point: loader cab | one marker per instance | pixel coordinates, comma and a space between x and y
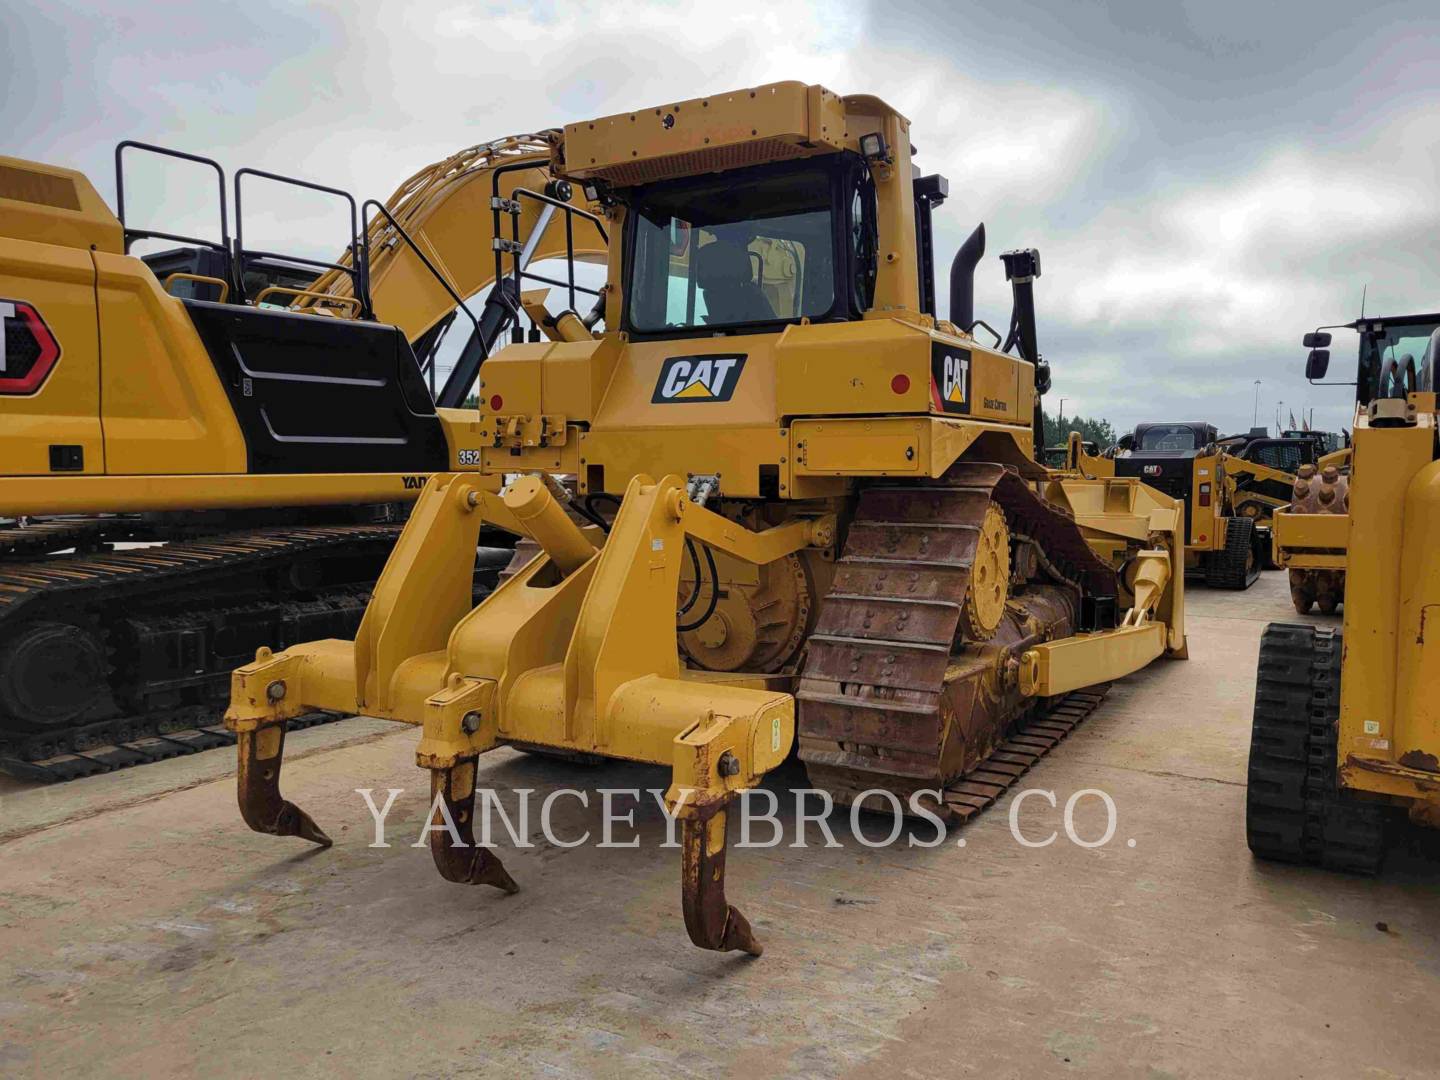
1398, 355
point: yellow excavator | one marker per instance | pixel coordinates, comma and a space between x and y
777, 506
1346, 722
261, 417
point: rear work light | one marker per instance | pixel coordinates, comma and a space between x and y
1204, 494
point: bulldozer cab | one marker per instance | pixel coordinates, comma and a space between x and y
771, 292
754, 250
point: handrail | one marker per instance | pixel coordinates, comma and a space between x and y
203, 279
309, 294
272, 258
569, 211
129, 235
424, 259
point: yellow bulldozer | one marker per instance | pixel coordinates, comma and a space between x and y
778, 505
211, 447
1346, 722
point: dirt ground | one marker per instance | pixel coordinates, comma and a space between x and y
145, 932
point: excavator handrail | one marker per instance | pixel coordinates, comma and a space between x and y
279, 259
435, 207
130, 235
400, 231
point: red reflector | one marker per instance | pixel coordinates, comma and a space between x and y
495, 402
900, 383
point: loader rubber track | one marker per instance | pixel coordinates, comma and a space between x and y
145, 609
1237, 566
889, 696
1295, 810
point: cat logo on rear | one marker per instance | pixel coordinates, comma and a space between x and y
950, 378
698, 379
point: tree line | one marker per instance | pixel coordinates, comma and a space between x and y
1057, 431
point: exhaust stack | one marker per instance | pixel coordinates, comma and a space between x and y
962, 278
1021, 269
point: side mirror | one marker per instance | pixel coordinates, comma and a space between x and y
1318, 340
1318, 362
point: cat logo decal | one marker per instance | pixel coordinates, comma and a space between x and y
698, 379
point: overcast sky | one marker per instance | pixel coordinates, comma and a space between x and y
1205, 180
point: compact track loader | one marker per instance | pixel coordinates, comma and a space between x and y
778, 506
268, 427
1347, 723
1227, 537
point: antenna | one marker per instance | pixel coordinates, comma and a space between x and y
1363, 290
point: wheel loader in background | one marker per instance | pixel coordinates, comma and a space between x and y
807, 512
1347, 722
268, 428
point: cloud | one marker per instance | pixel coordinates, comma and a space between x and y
1205, 180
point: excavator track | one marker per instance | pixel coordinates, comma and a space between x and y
43, 537
154, 633
123, 742
900, 689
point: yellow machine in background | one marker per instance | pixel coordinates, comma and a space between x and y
1225, 545
1311, 534
1347, 722
263, 423
806, 511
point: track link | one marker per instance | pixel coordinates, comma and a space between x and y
891, 695
169, 623
51, 534
1295, 810
116, 744
1012, 759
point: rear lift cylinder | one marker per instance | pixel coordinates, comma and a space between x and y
545, 519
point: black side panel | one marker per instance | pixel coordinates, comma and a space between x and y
315, 394
1174, 474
